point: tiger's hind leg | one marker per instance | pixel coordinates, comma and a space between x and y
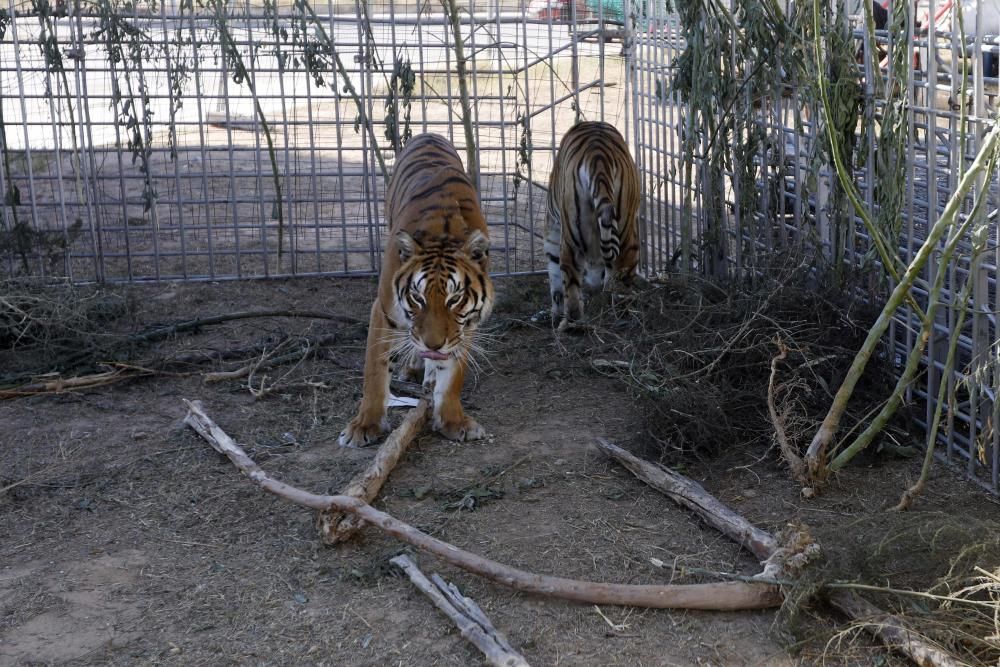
556, 290
371, 420
450, 419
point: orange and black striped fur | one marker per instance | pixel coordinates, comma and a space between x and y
434, 289
593, 209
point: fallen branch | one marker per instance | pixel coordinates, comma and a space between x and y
692, 495
718, 596
335, 526
465, 614
782, 558
58, 385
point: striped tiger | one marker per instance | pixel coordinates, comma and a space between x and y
593, 209
434, 289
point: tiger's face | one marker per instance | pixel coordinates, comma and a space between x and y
443, 293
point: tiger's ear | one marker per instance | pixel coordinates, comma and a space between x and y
408, 246
477, 246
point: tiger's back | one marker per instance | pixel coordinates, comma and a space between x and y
593, 208
434, 289
430, 192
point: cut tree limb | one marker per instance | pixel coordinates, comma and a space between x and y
335, 526
692, 495
718, 596
465, 614
781, 557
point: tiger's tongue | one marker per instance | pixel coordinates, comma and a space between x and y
436, 356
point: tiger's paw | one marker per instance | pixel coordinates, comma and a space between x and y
463, 430
360, 434
574, 305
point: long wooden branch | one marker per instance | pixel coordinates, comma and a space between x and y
781, 559
336, 526
465, 614
718, 596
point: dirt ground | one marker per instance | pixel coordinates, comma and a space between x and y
128, 541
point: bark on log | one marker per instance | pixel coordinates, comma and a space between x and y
465, 614
781, 559
336, 526
719, 596
692, 495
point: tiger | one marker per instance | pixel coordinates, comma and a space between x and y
593, 207
434, 290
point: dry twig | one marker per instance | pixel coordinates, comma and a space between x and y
794, 461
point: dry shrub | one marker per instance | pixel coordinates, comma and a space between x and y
697, 357
944, 581
44, 329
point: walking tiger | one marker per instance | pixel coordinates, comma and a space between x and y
434, 289
593, 208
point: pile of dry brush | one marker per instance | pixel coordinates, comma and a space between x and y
698, 357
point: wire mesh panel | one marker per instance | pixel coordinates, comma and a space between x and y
923, 95
954, 93
210, 139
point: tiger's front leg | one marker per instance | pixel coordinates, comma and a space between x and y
569, 266
371, 420
450, 419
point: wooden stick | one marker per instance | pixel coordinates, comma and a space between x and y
336, 526
718, 596
465, 614
780, 560
692, 495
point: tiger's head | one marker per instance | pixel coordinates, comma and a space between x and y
442, 291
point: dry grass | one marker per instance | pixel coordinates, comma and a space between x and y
697, 355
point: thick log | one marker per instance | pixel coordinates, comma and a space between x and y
465, 614
692, 495
782, 559
720, 596
335, 526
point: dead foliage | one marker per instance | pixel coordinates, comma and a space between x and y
697, 356
940, 576
64, 338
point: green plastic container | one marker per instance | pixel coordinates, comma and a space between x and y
614, 10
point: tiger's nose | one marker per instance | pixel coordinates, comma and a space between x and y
434, 344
